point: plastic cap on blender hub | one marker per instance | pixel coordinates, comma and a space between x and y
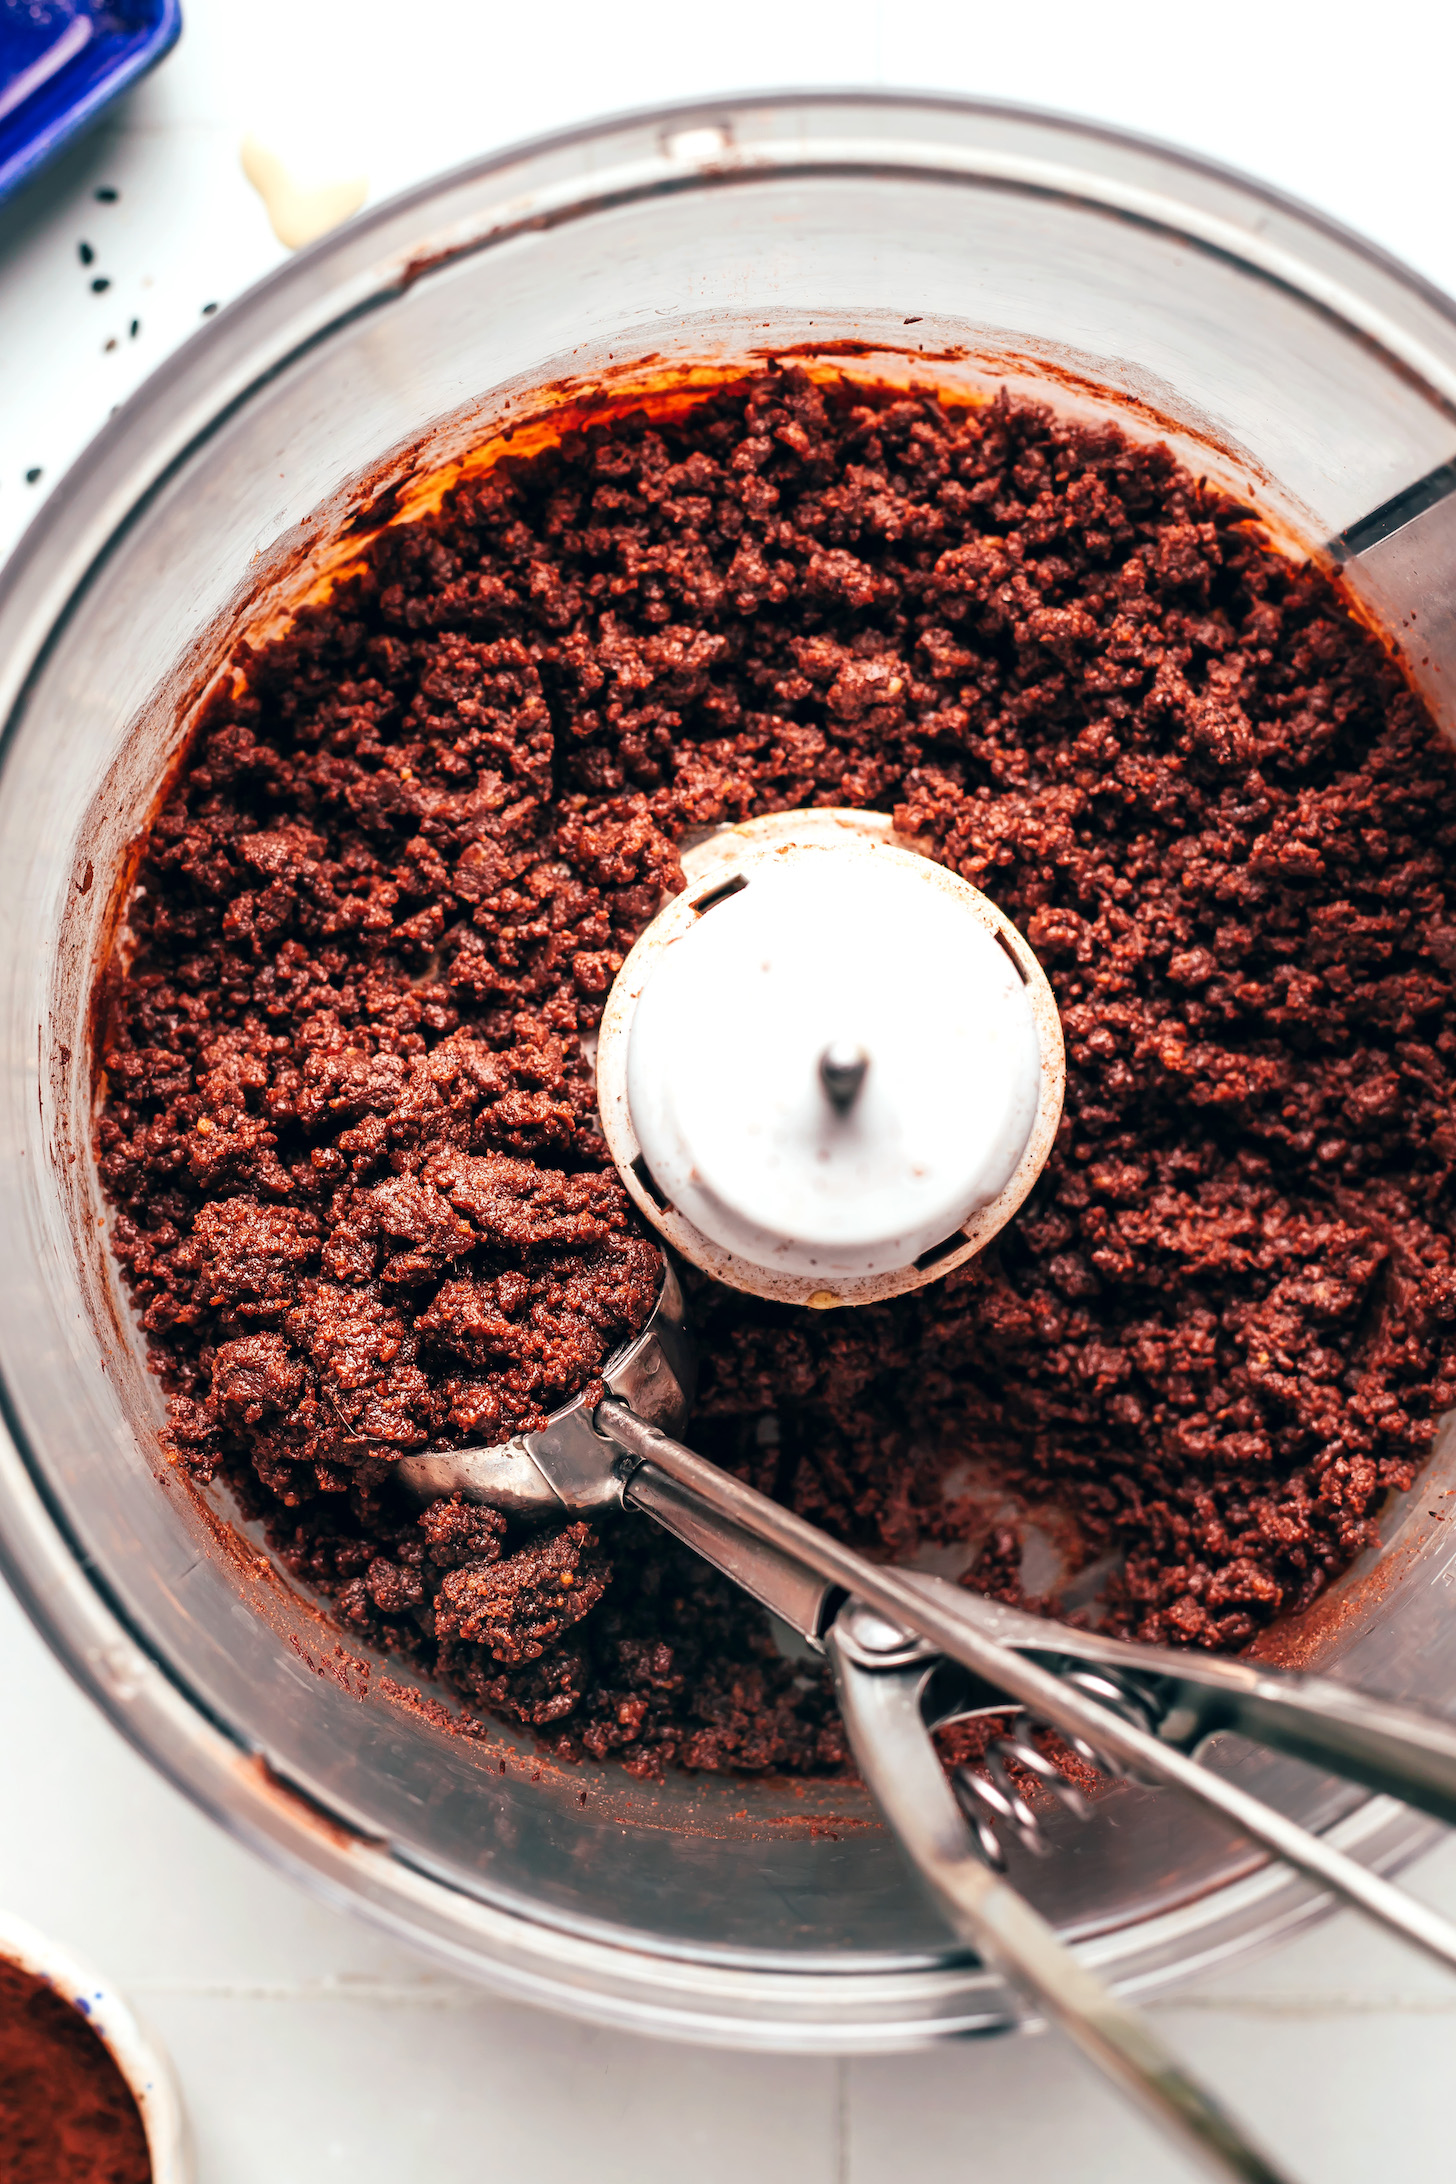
836, 1066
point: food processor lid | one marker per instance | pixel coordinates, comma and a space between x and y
836, 1064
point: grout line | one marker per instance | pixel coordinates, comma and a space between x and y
429, 1994
445, 1994
1321, 2003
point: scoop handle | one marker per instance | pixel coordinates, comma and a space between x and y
779, 1582
941, 1615
1400, 1751
883, 1714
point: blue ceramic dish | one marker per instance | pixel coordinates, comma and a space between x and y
62, 62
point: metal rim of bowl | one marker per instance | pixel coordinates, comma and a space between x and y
358, 268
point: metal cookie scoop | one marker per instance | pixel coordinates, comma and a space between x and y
567, 1465
1142, 1711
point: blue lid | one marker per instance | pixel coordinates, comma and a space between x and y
62, 61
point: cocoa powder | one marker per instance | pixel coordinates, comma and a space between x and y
67, 2115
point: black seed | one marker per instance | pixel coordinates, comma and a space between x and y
100, 285
32, 477
106, 195
136, 327
208, 309
85, 253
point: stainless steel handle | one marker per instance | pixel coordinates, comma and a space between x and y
881, 1709
941, 1614
1390, 1748
882, 1714
778, 1581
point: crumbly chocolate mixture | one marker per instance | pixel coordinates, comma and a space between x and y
349, 1131
67, 2115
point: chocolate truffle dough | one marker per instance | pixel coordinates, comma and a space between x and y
349, 1132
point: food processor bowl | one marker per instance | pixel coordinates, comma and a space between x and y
911, 239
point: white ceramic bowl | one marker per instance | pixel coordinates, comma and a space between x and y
138, 2058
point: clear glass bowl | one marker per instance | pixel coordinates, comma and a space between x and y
913, 238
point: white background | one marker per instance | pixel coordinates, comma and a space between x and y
308, 2049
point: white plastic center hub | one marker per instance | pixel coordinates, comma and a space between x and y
834, 1067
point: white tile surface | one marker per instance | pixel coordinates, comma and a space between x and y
1310, 98
308, 2047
